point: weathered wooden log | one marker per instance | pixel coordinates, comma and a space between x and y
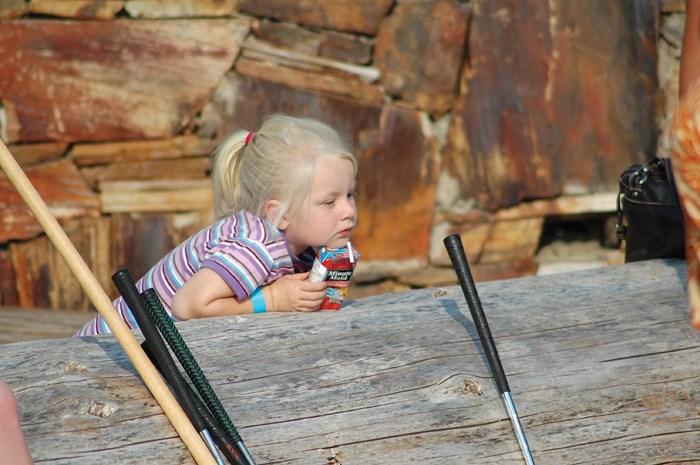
602, 365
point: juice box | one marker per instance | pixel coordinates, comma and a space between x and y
334, 266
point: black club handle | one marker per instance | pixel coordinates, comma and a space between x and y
158, 350
458, 257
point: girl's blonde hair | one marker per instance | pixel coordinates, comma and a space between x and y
276, 163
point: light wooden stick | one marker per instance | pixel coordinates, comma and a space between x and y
101, 301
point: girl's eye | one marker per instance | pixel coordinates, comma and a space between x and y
351, 195
329, 202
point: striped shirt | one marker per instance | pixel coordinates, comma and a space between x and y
245, 250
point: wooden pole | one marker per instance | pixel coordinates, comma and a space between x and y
101, 301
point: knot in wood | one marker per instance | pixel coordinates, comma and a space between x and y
470, 386
101, 409
73, 367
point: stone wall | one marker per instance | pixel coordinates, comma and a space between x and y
479, 117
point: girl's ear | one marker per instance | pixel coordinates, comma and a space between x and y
271, 210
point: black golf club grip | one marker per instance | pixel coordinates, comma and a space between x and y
458, 257
158, 350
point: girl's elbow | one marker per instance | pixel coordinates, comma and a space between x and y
181, 308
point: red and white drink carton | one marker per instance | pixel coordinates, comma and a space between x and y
335, 266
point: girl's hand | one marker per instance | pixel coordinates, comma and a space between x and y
295, 293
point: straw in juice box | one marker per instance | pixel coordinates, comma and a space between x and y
334, 266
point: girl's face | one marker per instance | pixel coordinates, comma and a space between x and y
326, 216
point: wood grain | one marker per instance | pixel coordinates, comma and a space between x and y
142, 79
62, 188
21, 324
602, 365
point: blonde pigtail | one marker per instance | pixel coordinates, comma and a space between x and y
225, 164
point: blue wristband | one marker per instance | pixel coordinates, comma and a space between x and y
258, 301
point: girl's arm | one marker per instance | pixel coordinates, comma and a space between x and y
206, 294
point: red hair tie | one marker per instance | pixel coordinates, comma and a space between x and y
249, 137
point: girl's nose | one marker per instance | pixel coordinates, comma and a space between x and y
349, 210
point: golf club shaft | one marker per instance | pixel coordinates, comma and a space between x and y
517, 427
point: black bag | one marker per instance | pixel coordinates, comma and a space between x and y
649, 217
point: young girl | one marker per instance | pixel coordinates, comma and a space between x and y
280, 192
